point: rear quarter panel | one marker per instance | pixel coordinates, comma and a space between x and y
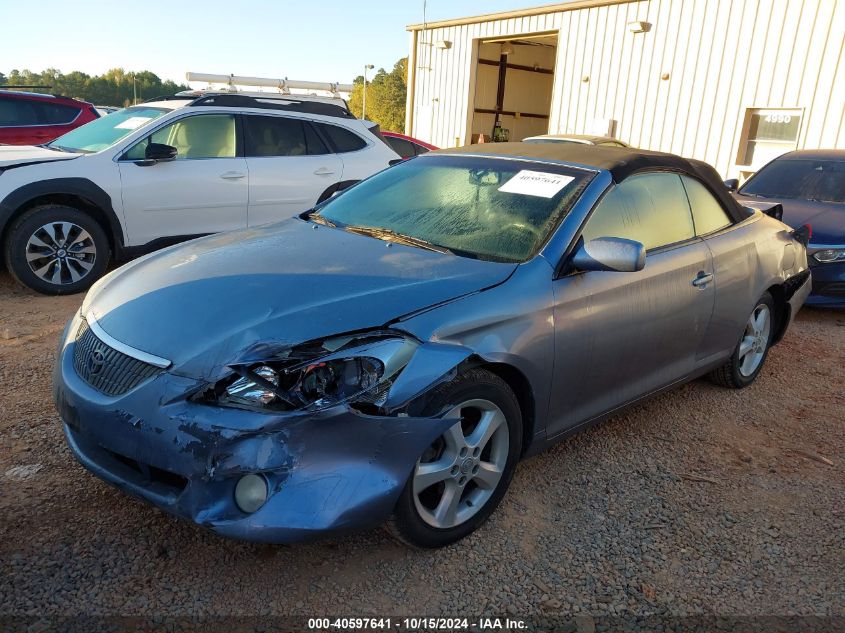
748, 258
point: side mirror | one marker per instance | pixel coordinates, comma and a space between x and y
159, 152
732, 184
610, 253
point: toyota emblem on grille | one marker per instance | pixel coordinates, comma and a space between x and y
95, 362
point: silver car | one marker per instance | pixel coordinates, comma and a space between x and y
390, 355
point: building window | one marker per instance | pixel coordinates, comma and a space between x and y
768, 133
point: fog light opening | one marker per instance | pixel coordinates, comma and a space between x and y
250, 493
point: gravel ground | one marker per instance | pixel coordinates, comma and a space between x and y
701, 501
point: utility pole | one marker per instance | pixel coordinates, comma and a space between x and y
364, 104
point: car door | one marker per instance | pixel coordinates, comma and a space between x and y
205, 189
621, 335
361, 158
733, 249
290, 166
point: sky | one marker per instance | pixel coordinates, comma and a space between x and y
311, 40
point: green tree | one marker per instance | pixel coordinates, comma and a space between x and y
112, 88
386, 96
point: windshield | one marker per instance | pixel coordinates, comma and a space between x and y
494, 209
820, 180
106, 131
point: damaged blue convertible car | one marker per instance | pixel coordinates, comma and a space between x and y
389, 356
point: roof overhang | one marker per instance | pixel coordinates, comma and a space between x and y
574, 5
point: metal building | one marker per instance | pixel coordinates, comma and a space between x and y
731, 82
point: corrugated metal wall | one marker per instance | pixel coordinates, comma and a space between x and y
721, 56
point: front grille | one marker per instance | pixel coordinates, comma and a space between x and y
106, 369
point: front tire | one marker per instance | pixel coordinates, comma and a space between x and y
745, 364
56, 250
461, 478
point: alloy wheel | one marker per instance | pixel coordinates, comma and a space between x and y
459, 472
61, 252
754, 342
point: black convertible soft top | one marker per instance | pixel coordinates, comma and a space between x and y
621, 162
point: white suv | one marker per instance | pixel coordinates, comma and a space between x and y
170, 170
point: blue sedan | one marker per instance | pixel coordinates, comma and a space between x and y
389, 356
810, 184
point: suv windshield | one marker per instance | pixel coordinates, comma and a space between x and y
494, 209
106, 131
820, 180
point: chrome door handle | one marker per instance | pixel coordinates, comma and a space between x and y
232, 175
702, 280
323, 171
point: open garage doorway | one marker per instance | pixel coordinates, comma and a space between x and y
514, 78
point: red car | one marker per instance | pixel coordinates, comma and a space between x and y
29, 118
406, 146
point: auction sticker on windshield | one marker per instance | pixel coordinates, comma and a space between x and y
132, 122
536, 183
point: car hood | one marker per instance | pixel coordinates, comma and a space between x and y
826, 218
18, 155
206, 302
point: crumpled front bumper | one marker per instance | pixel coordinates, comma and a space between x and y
328, 472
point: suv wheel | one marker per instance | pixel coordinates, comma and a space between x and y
56, 249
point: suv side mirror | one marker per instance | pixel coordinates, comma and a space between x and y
732, 184
159, 152
610, 253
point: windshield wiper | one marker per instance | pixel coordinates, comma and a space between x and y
57, 148
389, 235
319, 219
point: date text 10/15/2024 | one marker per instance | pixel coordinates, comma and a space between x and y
415, 624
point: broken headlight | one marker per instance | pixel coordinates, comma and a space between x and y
337, 370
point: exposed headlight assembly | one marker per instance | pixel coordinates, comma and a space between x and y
830, 255
357, 369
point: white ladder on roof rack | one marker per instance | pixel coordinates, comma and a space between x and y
283, 85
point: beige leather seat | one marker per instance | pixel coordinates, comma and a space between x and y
205, 136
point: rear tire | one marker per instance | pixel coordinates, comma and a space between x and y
56, 250
470, 466
750, 354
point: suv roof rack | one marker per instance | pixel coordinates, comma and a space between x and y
28, 92
333, 107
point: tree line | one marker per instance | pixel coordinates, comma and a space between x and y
386, 93
112, 88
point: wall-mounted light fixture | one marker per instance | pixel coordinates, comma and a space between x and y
443, 44
665, 76
507, 48
639, 27
585, 78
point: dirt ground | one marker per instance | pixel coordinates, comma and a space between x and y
703, 500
